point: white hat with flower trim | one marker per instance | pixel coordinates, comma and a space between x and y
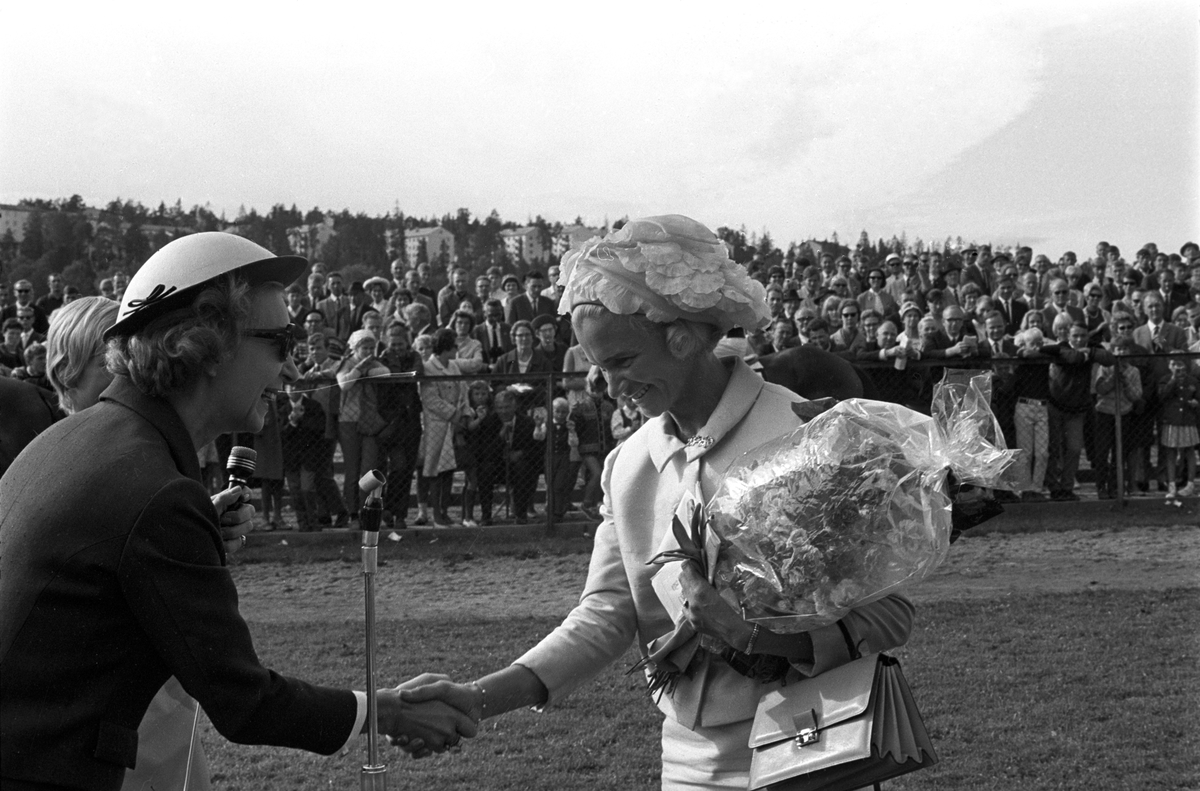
171, 277
667, 267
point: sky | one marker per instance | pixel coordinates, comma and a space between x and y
1054, 124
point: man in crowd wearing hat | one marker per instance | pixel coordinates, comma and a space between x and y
454, 294
531, 304
546, 329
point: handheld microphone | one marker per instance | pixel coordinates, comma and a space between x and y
240, 468
372, 508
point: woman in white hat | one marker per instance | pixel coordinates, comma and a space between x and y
648, 305
113, 573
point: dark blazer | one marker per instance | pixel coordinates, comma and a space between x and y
113, 578
1050, 312
482, 334
27, 411
1012, 323
538, 364
1156, 368
41, 322
520, 308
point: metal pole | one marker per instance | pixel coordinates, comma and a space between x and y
1118, 445
548, 455
374, 774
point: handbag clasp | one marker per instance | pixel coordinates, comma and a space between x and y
807, 731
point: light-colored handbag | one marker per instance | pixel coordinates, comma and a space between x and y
852, 726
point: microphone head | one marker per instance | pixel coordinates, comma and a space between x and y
241, 463
371, 482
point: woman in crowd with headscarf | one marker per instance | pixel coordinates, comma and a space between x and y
648, 304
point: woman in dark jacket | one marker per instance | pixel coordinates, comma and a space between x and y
113, 572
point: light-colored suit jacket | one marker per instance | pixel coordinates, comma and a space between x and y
644, 479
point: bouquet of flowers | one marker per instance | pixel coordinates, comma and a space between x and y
853, 505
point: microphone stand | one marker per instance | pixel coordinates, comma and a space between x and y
374, 773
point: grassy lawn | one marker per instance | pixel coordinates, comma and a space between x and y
1085, 690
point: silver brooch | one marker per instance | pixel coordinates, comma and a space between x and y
700, 441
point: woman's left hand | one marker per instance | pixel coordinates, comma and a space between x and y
708, 613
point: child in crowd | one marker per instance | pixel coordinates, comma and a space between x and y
34, 370
564, 456
1178, 392
302, 438
592, 418
626, 419
480, 460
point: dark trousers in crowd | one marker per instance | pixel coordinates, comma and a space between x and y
564, 474
1066, 443
401, 458
522, 477
1106, 451
301, 485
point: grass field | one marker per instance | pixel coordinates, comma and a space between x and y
1066, 662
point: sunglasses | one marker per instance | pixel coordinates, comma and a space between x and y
850, 315
284, 339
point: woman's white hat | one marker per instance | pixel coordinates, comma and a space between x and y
172, 276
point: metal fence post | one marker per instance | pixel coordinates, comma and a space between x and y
548, 462
1118, 445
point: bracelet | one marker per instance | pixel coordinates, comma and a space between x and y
749, 649
482, 697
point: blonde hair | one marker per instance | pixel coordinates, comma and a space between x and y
74, 339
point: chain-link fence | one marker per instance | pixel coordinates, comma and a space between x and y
477, 449
1094, 425
491, 449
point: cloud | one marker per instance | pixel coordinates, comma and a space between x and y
798, 118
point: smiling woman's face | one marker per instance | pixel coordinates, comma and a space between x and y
635, 360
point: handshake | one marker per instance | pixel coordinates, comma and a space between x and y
429, 714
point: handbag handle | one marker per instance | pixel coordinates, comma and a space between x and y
851, 648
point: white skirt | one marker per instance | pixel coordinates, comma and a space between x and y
709, 758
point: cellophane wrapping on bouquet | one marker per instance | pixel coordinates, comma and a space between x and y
854, 504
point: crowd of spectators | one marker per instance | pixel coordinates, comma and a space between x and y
1059, 328
448, 387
